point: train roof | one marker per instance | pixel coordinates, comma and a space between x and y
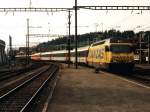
19, 56
55, 52
111, 40
36, 54
81, 48
62, 51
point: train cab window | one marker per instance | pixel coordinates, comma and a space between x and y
121, 48
107, 48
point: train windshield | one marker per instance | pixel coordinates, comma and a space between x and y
121, 48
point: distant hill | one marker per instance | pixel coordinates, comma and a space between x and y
83, 40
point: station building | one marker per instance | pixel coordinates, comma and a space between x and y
2, 53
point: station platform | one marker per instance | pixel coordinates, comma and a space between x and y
82, 90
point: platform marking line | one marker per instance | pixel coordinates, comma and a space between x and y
133, 82
50, 96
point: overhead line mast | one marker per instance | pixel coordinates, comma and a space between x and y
76, 38
27, 44
69, 39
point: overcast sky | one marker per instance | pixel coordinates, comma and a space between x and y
15, 24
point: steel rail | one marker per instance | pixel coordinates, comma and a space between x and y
8, 82
21, 85
45, 108
9, 74
37, 85
132, 78
25, 108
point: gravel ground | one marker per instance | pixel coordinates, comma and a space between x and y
83, 90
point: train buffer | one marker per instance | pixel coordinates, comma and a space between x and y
82, 90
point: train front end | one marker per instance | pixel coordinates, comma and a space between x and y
120, 56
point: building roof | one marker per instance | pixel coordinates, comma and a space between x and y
2, 43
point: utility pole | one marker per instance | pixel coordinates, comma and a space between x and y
26, 50
10, 50
148, 49
69, 23
140, 48
76, 38
27, 43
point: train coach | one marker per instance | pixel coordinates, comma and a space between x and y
60, 56
111, 54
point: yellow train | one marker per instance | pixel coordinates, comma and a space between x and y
113, 54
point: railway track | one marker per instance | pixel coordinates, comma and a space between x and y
16, 80
21, 97
143, 77
8, 74
138, 77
